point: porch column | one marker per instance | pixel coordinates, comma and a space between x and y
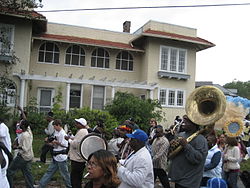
151, 94
113, 93
67, 97
22, 90
81, 99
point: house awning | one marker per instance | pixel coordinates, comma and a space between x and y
39, 20
199, 43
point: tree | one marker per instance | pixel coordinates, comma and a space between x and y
125, 106
21, 4
243, 88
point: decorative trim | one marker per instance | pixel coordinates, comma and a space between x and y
132, 84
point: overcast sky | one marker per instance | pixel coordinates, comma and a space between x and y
227, 27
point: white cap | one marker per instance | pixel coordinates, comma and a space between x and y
82, 121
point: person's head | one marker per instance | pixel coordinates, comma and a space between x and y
222, 139
80, 123
159, 132
232, 141
1, 120
152, 122
211, 140
124, 129
102, 167
24, 124
138, 139
188, 125
50, 116
57, 123
131, 121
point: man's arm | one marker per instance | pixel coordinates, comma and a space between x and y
197, 151
214, 161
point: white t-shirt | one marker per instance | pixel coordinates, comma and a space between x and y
3, 178
60, 138
5, 136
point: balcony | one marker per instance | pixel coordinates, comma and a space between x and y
173, 75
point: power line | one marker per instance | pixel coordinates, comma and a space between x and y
151, 7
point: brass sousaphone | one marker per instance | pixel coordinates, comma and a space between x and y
204, 106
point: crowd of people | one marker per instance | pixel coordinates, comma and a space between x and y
134, 158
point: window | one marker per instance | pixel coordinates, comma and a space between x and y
6, 39
8, 96
173, 59
98, 97
75, 55
49, 53
100, 58
171, 97
124, 61
75, 96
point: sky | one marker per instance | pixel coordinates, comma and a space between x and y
227, 27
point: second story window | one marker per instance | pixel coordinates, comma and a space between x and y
171, 97
75, 55
173, 59
49, 53
6, 39
100, 58
124, 61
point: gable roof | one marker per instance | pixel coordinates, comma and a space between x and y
87, 41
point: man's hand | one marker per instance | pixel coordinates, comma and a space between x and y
55, 142
183, 142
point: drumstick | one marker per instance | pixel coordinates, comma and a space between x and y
86, 175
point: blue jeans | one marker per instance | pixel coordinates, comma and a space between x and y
24, 166
53, 167
231, 178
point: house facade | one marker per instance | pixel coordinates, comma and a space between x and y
89, 66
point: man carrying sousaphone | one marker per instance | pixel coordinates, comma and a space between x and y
186, 168
204, 106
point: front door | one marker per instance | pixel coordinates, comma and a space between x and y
45, 99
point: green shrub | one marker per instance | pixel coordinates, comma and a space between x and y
126, 105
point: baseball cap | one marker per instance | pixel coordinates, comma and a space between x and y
82, 121
139, 135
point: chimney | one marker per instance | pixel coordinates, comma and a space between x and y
126, 26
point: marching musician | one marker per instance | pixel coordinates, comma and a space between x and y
77, 162
186, 168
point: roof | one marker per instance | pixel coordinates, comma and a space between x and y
224, 90
27, 14
200, 43
40, 21
86, 41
